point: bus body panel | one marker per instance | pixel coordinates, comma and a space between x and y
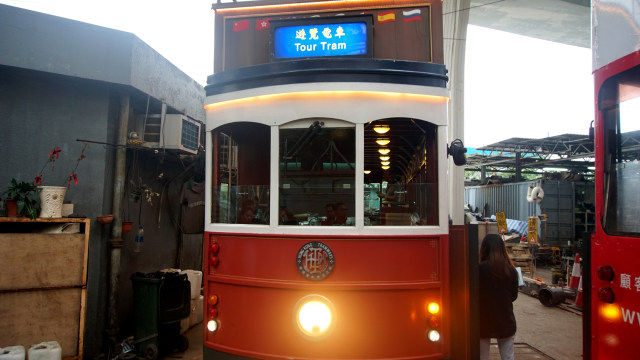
614, 324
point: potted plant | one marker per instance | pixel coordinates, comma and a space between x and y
139, 189
23, 194
52, 197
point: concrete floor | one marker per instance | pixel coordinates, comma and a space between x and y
543, 332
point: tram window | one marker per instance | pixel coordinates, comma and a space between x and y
620, 103
241, 174
317, 169
401, 185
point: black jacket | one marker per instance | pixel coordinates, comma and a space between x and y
496, 318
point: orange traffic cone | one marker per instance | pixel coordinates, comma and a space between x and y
575, 273
578, 302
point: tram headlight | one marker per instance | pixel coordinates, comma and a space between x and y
212, 325
433, 335
314, 317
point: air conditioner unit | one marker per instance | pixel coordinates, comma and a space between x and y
176, 132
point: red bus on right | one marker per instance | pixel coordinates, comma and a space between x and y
612, 291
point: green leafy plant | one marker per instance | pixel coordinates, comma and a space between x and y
24, 195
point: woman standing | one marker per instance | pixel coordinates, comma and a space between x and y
498, 290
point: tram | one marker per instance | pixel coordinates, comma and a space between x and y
613, 280
326, 231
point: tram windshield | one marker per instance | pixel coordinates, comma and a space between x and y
317, 174
620, 105
316, 166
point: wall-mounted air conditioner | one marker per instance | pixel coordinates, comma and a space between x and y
176, 132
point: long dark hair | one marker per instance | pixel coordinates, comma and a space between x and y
494, 251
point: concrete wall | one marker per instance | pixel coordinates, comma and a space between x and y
63, 80
38, 112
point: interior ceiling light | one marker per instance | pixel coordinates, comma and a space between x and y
383, 142
367, 172
385, 162
381, 129
385, 158
384, 151
385, 167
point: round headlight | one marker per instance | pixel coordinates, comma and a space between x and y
433, 335
314, 316
212, 325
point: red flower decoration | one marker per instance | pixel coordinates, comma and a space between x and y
55, 152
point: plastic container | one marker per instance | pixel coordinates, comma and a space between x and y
48, 350
195, 278
139, 240
197, 311
12, 353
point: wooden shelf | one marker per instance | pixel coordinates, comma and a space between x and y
43, 282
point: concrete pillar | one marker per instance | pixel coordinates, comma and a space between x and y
455, 21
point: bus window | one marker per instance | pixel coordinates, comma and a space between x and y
400, 173
317, 169
241, 174
620, 104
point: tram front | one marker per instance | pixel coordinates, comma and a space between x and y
326, 218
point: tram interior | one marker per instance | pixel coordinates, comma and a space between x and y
317, 173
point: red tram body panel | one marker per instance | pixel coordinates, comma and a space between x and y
380, 288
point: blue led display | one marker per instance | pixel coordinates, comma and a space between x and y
321, 40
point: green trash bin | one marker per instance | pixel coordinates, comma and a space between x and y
160, 301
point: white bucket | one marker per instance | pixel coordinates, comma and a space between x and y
195, 278
197, 311
12, 353
48, 350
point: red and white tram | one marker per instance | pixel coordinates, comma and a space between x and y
315, 110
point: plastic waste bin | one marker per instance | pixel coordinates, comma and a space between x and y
160, 301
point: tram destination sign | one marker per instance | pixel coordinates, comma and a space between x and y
339, 36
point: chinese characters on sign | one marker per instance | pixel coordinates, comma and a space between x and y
339, 39
630, 283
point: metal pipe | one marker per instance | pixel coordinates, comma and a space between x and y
116, 241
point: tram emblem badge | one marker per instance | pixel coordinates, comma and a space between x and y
315, 260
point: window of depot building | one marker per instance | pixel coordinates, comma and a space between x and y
241, 174
317, 160
401, 178
620, 104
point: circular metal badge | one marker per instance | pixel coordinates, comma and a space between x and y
315, 260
